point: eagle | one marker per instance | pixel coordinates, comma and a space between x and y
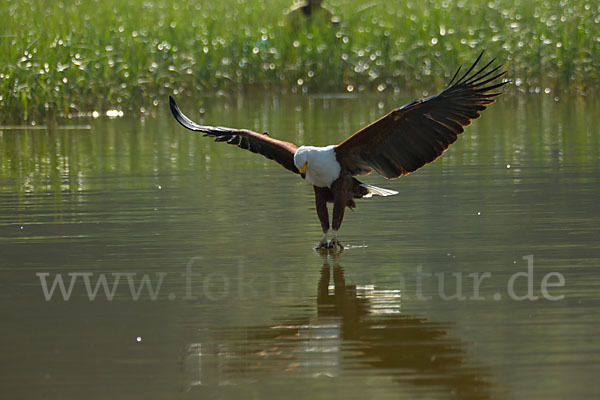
397, 144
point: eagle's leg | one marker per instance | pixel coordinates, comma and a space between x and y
321, 203
339, 206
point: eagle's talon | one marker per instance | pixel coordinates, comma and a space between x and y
335, 244
322, 245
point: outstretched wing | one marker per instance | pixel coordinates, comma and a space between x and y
261, 143
418, 133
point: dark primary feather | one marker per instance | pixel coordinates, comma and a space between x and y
416, 134
277, 150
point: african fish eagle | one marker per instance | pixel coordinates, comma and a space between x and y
396, 144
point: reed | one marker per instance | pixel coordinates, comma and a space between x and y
75, 57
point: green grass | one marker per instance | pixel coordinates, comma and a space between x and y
68, 57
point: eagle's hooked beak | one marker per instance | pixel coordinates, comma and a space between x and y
303, 170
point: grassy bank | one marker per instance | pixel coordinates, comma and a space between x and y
72, 56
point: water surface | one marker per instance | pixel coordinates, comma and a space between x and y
246, 308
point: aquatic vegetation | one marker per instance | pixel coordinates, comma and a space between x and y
78, 56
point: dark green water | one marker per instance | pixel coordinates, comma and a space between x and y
260, 314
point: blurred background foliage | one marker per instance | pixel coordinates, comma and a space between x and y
67, 58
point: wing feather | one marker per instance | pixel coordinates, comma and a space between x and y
418, 133
260, 143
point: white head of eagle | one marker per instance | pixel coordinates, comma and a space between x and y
318, 163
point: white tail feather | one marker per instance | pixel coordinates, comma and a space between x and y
377, 190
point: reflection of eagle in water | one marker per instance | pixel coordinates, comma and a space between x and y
395, 145
356, 329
